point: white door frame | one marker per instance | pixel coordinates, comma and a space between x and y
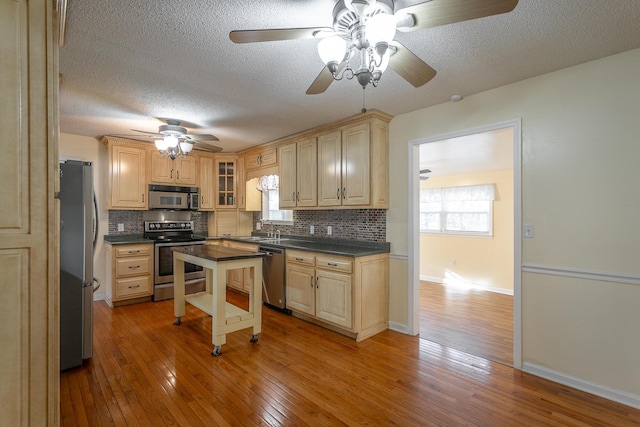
414, 228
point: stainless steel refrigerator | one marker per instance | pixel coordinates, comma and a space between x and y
78, 223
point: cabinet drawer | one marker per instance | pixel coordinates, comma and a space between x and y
133, 286
132, 250
300, 257
135, 266
334, 263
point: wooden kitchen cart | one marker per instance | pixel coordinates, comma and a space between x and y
225, 317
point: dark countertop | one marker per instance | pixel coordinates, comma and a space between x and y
327, 245
126, 239
217, 253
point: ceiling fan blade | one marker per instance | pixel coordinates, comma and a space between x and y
144, 131
253, 36
441, 12
324, 79
409, 66
203, 146
201, 137
321, 83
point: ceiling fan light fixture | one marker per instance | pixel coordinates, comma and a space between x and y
171, 141
161, 145
332, 50
380, 31
186, 147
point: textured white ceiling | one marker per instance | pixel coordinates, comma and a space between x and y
126, 63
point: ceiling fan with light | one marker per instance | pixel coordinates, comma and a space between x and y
172, 140
364, 31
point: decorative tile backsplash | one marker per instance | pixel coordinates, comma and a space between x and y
132, 220
134, 223
354, 224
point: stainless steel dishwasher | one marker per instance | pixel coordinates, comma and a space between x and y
274, 281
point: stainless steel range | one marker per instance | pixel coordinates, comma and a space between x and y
169, 229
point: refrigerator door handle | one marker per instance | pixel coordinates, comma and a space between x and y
96, 224
97, 284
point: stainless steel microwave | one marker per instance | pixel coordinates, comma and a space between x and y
173, 198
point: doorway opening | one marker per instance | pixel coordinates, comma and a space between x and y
466, 292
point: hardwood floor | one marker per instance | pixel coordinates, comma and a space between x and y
147, 372
473, 321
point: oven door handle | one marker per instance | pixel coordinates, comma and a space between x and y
195, 242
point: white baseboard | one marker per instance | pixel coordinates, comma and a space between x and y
472, 285
580, 384
98, 297
399, 327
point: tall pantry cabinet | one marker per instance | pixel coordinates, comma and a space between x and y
29, 214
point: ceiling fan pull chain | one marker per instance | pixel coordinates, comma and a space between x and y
364, 110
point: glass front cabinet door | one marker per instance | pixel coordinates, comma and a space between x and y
226, 181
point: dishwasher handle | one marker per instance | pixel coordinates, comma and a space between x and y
270, 251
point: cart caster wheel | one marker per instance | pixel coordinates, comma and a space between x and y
216, 351
254, 338
178, 321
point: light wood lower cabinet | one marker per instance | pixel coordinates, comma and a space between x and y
348, 295
129, 274
240, 278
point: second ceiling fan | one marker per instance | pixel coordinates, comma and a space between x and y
364, 31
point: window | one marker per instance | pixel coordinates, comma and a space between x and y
457, 210
271, 213
271, 208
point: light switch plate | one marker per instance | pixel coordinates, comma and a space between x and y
120, 227
528, 230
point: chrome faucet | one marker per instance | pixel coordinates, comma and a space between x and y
278, 234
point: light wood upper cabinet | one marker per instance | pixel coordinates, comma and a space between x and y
240, 183
226, 181
344, 167
181, 171
298, 174
341, 165
261, 158
127, 177
207, 183
330, 169
356, 165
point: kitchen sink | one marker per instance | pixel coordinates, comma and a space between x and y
262, 239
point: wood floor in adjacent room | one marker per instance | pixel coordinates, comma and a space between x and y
147, 372
474, 321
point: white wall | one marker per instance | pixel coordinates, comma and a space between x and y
91, 150
580, 149
485, 262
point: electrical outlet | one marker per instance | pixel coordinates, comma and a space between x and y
312, 229
453, 261
120, 227
329, 230
258, 226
